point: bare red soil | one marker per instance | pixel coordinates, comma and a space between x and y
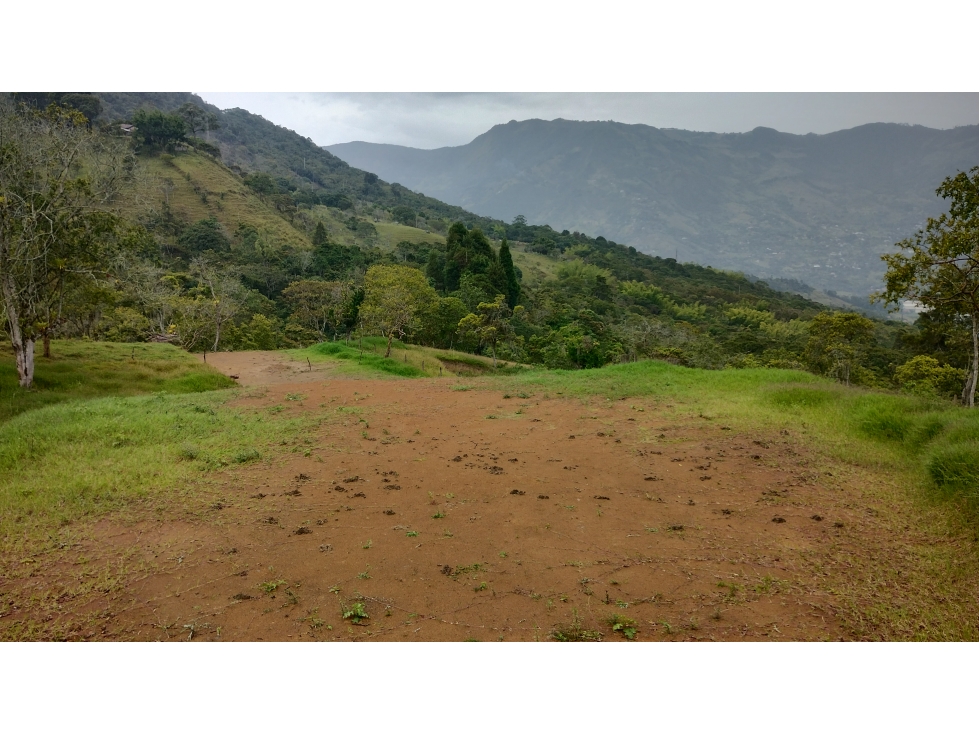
454, 515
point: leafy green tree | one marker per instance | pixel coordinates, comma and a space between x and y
837, 342
205, 234
394, 297
490, 325
939, 265
466, 251
59, 184
440, 323
320, 238
261, 183
158, 129
924, 375
88, 104
510, 275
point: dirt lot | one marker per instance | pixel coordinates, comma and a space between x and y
427, 512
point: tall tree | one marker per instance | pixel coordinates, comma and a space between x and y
219, 295
512, 284
394, 297
939, 265
59, 181
490, 326
836, 343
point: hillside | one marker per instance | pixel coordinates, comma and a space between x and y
246, 235
814, 208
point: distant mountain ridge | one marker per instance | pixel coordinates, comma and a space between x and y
816, 208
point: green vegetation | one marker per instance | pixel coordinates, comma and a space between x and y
61, 463
80, 370
926, 440
275, 246
575, 631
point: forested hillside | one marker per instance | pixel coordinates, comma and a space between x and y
815, 208
228, 232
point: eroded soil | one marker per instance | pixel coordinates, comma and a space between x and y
424, 512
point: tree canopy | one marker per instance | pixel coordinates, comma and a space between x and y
939, 265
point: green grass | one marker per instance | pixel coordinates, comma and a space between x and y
370, 361
107, 425
83, 369
931, 442
61, 463
390, 234
406, 360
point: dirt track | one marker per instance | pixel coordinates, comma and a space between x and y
454, 515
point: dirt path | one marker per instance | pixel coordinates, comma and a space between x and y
266, 368
454, 515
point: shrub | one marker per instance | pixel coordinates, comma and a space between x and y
924, 375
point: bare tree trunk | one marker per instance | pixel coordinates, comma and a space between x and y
388, 352
23, 348
974, 377
47, 345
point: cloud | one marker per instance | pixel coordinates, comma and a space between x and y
432, 120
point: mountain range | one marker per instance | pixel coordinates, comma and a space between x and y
814, 208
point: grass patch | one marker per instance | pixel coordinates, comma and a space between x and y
368, 360
81, 459
84, 369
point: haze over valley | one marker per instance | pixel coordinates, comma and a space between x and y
814, 208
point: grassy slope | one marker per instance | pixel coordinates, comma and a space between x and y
366, 358
227, 199
391, 233
103, 432
81, 370
534, 266
928, 442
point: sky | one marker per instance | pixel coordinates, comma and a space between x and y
434, 120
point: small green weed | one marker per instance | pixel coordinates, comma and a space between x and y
625, 626
575, 632
356, 613
269, 587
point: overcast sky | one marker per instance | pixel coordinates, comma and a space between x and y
423, 120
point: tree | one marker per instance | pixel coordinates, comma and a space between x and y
394, 295
197, 119
836, 342
88, 104
490, 326
219, 295
512, 284
319, 304
205, 234
158, 129
59, 181
939, 265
